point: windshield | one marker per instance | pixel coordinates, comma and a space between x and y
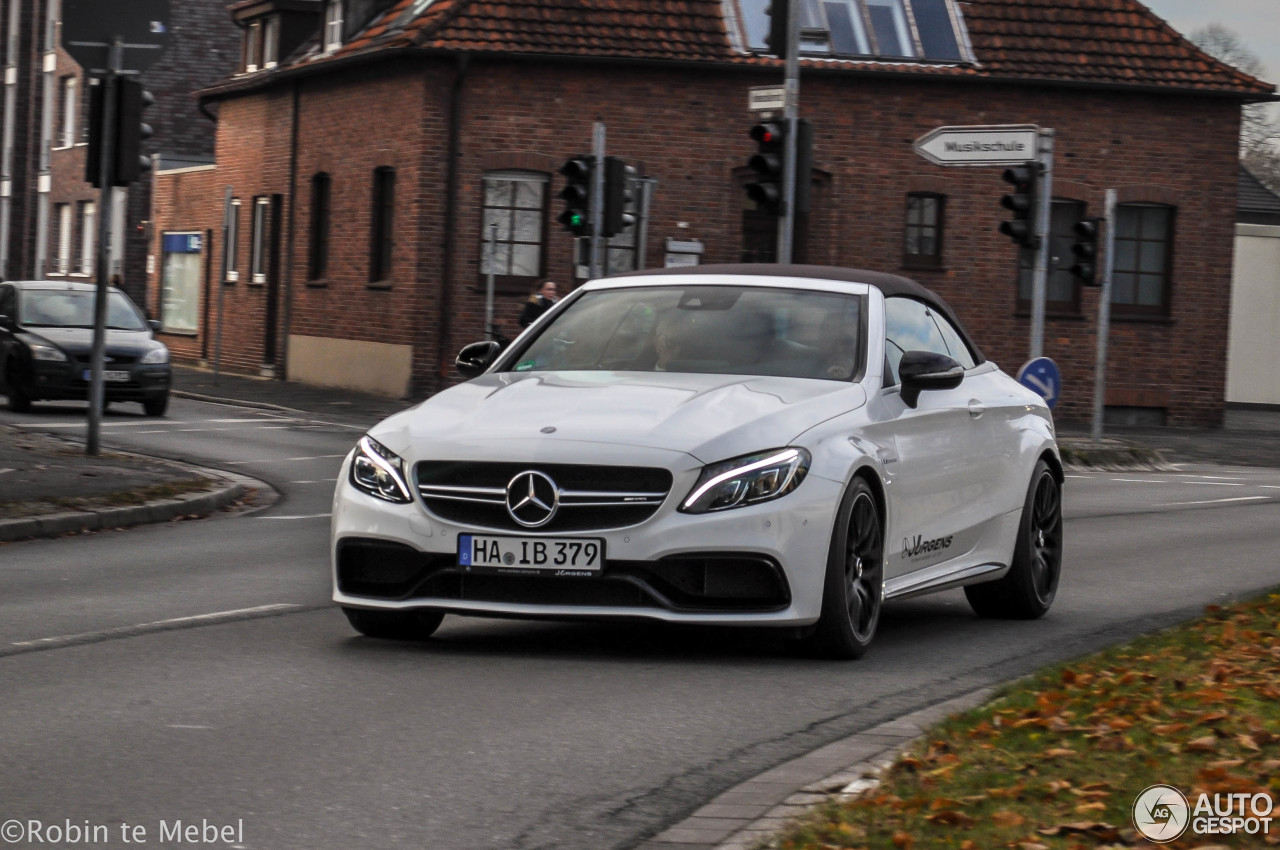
73, 308
724, 330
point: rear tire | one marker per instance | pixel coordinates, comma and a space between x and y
394, 625
854, 588
1028, 589
156, 406
19, 397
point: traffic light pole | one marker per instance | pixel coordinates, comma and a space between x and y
106, 176
1104, 314
1040, 276
595, 269
791, 88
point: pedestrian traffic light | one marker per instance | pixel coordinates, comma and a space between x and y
576, 194
767, 163
1085, 251
779, 11
129, 130
618, 196
1022, 202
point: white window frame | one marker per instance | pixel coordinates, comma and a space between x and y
62, 257
88, 236
258, 249
270, 42
252, 46
70, 111
332, 33
230, 249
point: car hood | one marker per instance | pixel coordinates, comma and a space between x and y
80, 340
710, 417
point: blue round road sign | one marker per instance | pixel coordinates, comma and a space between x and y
1041, 375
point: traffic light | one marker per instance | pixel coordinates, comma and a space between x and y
767, 163
128, 162
618, 196
576, 194
777, 42
1085, 250
804, 163
131, 130
1022, 202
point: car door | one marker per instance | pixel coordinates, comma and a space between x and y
8, 308
942, 447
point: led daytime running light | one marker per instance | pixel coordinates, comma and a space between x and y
787, 456
376, 454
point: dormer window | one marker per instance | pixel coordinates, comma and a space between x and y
252, 46
332, 34
270, 42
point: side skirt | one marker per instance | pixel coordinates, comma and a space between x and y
914, 584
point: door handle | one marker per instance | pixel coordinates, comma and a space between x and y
976, 408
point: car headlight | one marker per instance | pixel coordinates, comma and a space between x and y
47, 352
379, 472
747, 480
155, 355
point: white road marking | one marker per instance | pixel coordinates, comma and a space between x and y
307, 516
317, 481
185, 726
1213, 501
3, 471
1139, 480
1217, 483
282, 460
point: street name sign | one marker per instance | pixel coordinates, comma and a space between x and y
996, 144
766, 98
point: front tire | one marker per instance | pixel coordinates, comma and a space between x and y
19, 396
854, 588
1028, 589
156, 406
394, 625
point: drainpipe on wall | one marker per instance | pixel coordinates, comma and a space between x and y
283, 356
445, 301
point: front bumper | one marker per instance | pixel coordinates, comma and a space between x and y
759, 565
56, 380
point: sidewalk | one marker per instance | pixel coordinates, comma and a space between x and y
48, 486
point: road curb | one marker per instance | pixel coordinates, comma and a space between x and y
239, 402
760, 808
200, 503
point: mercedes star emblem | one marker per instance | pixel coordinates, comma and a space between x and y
532, 499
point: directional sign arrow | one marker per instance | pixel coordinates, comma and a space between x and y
997, 144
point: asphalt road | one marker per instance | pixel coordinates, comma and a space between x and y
125, 703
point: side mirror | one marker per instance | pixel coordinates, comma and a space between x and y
925, 370
156, 325
473, 359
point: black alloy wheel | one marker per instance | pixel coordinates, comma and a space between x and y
854, 588
1028, 589
19, 396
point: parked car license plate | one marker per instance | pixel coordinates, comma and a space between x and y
550, 554
109, 375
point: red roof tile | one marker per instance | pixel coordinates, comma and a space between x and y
1104, 42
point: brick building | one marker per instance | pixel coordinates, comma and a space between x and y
366, 170
47, 211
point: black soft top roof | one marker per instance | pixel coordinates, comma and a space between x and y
890, 284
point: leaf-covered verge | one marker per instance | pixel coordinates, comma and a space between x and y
1057, 760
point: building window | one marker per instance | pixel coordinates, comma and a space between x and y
923, 236
231, 248
70, 111
252, 46
62, 254
382, 236
332, 24
512, 240
87, 215
270, 42
258, 247
1144, 250
893, 29
318, 255
180, 282
1062, 294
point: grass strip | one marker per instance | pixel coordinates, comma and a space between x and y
1057, 760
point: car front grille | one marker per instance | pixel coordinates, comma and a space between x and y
590, 497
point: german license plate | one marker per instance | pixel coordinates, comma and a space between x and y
568, 556
112, 376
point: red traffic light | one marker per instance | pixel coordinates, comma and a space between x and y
768, 133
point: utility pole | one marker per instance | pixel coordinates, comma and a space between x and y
791, 112
106, 175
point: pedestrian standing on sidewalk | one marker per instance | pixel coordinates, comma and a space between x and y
540, 301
